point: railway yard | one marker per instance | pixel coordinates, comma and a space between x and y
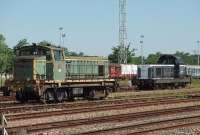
83, 82
88, 95
143, 112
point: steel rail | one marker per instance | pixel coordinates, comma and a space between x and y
104, 119
94, 108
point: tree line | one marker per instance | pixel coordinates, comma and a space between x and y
187, 58
7, 55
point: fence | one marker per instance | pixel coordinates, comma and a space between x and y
3, 125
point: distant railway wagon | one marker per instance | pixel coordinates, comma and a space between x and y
193, 71
45, 73
123, 71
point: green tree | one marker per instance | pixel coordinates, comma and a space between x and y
21, 43
72, 53
45, 43
153, 58
3, 47
115, 54
136, 60
9, 60
6, 56
187, 57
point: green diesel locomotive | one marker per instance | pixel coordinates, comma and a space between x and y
45, 73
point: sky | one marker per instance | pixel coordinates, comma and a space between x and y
91, 26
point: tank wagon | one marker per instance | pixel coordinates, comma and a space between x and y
168, 73
45, 73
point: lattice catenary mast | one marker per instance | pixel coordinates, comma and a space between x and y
122, 58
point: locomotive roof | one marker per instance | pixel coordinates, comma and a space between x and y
170, 59
93, 58
40, 46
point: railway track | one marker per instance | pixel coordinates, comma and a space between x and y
140, 129
9, 102
93, 108
105, 119
7, 98
17, 108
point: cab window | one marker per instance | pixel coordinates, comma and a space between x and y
57, 55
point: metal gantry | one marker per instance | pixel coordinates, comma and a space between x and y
122, 58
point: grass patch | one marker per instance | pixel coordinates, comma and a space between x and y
179, 93
195, 83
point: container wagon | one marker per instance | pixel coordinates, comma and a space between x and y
123, 71
193, 71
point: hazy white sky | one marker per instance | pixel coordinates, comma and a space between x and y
91, 26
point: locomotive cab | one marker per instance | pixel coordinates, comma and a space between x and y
34, 63
169, 72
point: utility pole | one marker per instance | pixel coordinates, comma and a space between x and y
63, 38
122, 58
61, 33
198, 50
141, 45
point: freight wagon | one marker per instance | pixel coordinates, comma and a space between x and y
193, 71
45, 73
123, 71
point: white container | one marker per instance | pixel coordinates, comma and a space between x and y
128, 69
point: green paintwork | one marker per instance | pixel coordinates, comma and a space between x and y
59, 70
23, 69
49, 71
39, 68
31, 63
28, 67
86, 68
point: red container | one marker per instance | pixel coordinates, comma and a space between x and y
115, 71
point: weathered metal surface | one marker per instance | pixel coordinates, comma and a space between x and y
86, 68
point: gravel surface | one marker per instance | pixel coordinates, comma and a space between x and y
86, 128
154, 93
192, 130
97, 114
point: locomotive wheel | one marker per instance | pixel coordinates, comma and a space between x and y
65, 95
91, 94
70, 95
60, 95
19, 96
45, 97
49, 95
